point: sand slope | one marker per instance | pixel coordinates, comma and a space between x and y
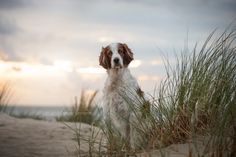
33, 138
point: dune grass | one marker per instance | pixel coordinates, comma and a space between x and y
199, 96
81, 111
197, 99
5, 95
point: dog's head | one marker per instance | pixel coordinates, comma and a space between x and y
115, 56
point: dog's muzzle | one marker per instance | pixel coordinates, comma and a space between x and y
117, 63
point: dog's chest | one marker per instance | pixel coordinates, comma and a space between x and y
116, 104
117, 89
115, 99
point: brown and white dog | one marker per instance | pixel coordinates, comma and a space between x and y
115, 58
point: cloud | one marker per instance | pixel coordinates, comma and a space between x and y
67, 36
3, 56
17, 69
135, 64
8, 27
9, 30
149, 78
9, 4
83, 31
156, 62
8, 53
91, 70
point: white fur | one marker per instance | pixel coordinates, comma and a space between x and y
115, 54
119, 83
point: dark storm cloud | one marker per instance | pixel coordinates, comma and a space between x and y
229, 6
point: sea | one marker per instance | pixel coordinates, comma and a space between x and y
47, 112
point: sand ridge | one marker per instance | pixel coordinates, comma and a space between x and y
34, 138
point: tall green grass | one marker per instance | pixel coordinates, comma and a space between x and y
200, 92
196, 101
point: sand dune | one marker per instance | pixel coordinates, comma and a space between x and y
34, 138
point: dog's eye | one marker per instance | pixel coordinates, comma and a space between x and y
109, 53
120, 51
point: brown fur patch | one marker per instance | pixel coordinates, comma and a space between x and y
140, 92
105, 57
145, 109
126, 53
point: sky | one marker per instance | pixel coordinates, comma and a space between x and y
49, 49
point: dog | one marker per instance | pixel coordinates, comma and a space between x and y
120, 85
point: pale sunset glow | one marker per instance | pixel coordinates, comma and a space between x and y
49, 50
135, 63
24, 69
91, 70
149, 78
157, 62
64, 65
106, 39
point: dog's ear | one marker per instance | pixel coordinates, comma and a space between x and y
128, 55
104, 59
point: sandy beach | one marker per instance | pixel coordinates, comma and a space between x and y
34, 138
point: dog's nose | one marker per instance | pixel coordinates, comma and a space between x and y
116, 60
